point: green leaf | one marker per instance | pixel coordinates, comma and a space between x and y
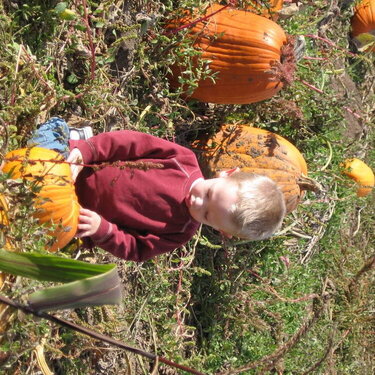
60, 7
49, 267
86, 284
67, 14
98, 290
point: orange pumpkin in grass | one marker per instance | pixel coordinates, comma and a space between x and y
56, 202
257, 151
361, 173
251, 56
363, 25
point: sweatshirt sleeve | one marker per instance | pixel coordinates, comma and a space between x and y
137, 247
126, 145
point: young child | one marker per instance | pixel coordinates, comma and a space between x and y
137, 214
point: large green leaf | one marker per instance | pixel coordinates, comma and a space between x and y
85, 284
45, 267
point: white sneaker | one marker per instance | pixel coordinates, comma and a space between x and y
80, 133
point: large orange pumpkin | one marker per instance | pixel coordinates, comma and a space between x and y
250, 54
257, 151
360, 172
56, 202
363, 25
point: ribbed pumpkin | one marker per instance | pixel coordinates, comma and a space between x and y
257, 151
56, 201
362, 23
361, 173
250, 54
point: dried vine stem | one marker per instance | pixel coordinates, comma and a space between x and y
327, 352
142, 165
369, 265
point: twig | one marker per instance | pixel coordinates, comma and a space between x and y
330, 43
315, 58
13, 90
329, 156
358, 222
91, 43
30, 60
369, 264
142, 165
319, 233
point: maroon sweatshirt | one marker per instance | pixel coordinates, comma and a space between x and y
143, 212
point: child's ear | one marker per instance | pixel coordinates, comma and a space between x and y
228, 172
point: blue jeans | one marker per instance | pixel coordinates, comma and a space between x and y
53, 134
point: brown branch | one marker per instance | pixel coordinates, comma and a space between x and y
369, 264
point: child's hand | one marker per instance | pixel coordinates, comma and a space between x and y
89, 222
75, 156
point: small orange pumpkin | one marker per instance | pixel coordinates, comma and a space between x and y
361, 173
363, 25
250, 54
257, 151
56, 202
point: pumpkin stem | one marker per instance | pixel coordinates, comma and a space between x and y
284, 70
309, 184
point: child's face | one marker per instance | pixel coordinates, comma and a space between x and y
210, 202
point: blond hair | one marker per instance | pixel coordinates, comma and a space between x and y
260, 208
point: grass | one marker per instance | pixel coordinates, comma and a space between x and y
300, 303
